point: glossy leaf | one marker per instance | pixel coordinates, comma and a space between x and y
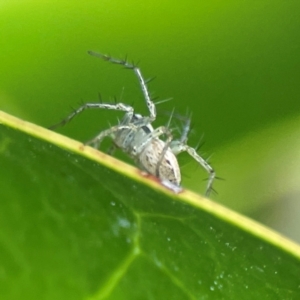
77, 224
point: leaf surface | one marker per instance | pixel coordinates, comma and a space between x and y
78, 224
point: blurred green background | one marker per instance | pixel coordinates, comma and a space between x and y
235, 65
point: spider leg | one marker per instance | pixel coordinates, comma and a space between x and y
178, 147
119, 106
96, 141
185, 130
138, 73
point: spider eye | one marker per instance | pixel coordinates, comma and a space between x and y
136, 117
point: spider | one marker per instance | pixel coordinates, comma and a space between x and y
136, 136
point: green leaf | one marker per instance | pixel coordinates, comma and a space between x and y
78, 224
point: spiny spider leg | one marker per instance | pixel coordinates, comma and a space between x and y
185, 132
137, 71
178, 147
119, 106
96, 141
